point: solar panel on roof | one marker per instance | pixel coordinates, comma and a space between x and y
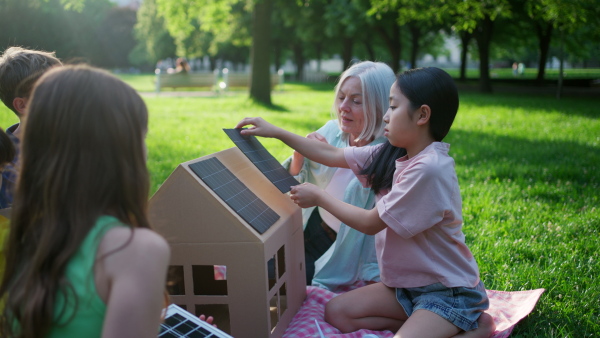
262, 159
235, 193
180, 323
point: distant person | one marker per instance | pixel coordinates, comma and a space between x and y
81, 258
335, 254
182, 66
19, 69
515, 69
521, 68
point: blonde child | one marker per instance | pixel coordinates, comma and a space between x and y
430, 284
19, 69
81, 258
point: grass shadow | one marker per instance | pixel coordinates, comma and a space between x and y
508, 157
586, 106
271, 107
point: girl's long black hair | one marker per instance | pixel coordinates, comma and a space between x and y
422, 86
380, 172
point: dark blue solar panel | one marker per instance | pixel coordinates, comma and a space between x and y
180, 324
263, 160
235, 194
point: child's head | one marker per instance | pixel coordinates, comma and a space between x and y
19, 69
83, 156
84, 142
375, 79
434, 88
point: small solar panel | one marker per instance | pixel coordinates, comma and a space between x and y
180, 323
263, 160
233, 192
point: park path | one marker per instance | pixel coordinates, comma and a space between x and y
582, 92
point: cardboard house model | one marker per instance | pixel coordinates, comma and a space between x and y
237, 250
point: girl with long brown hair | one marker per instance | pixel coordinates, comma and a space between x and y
81, 258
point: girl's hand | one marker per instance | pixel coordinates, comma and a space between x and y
208, 319
306, 195
260, 127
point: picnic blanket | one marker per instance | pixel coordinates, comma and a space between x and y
507, 309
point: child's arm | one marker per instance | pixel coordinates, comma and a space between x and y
313, 149
366, 221
136, 274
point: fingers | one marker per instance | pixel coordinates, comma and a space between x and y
208, 319
246, 121
317, 136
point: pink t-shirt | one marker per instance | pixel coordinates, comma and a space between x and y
423, 243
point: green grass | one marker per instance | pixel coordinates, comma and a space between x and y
529, 169
531, 73
528, 166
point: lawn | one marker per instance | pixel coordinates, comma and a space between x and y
529, 169
528, 166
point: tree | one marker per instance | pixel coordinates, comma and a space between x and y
154, 41
227, 21
387, 25
87, 31
478, 17
115, 31
563, 17
260, 86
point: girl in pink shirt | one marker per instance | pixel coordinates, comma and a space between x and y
430, 284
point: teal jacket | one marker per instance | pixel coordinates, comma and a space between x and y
352, 256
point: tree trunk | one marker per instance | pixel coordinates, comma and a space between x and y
299, 60
348, 44
544, 35
260, 82
415, 35
394, 45
277, 55
369, 47
465, 38
483, 36
560, 71
212, 62
319, 54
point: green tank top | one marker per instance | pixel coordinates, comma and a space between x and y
87, 319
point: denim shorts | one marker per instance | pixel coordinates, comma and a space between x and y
461, 306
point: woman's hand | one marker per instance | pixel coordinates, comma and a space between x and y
306, 195
260, 127
298, 159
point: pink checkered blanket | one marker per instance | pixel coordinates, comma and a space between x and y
507, 309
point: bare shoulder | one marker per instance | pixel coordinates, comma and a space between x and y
134, 242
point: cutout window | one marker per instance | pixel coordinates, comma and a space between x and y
175, 280
209, 280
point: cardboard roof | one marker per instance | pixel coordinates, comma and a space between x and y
188, 202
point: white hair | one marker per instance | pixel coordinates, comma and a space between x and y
376, 79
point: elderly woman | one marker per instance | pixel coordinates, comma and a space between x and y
337, 255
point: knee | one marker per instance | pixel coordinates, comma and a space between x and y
486, 324
336, 316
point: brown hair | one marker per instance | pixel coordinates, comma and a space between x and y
19, 64
83, 156
7, 149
